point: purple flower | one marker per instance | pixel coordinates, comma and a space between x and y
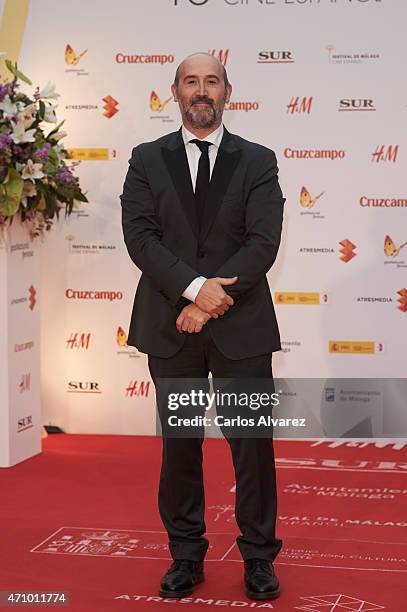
5, 140
64, 175
4, 90
42, 154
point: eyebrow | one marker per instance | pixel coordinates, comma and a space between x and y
208, 76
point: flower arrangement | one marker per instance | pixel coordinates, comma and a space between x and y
36, 181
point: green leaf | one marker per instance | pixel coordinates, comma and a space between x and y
21, 97
10, 193
42, 203
41, 188
42, 109
53, 161
17, 73
55, 130
50, 199
78, 195
39, 139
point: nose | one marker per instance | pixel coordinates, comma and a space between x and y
202, 88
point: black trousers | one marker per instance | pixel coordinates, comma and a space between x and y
181, 498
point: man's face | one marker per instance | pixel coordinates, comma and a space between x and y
201, 92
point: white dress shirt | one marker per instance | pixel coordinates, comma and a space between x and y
193, 154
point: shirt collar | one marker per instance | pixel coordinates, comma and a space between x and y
214, 137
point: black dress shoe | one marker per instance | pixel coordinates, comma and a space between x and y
181, 578
260, 579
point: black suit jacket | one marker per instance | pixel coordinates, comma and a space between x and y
239, 236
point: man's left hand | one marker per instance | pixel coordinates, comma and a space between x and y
192, 319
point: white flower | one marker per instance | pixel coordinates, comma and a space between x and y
28, 114
31, 171
48, 92
49, 114
59, 135
8, 107
20, 134
60, 151
3, 54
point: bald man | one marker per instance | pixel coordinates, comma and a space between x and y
202, 214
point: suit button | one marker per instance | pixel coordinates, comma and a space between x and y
201, 254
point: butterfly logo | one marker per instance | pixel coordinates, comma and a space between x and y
155, 102
121, 337
72, 58
390, 249
306, 199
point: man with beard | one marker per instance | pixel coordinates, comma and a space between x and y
202, 215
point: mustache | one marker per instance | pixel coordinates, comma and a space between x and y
207, 100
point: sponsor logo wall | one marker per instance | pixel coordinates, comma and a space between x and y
20, 413
328, 100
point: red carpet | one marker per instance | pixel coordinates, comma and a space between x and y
82, 518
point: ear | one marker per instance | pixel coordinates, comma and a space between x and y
228, 92
174, 92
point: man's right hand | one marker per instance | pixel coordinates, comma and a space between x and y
212, 298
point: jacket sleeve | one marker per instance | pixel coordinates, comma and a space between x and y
264, 218
142, 235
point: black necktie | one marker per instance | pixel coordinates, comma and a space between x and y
202, 178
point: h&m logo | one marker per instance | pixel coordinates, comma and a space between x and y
300, 105
385, 154
78, 341
137, 388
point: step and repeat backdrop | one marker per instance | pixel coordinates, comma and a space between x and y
318, 81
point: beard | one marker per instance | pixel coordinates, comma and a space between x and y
203, 116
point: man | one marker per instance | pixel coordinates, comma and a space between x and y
202, 215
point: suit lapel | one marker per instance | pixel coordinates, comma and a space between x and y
175, 159
227, 159
226, 163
